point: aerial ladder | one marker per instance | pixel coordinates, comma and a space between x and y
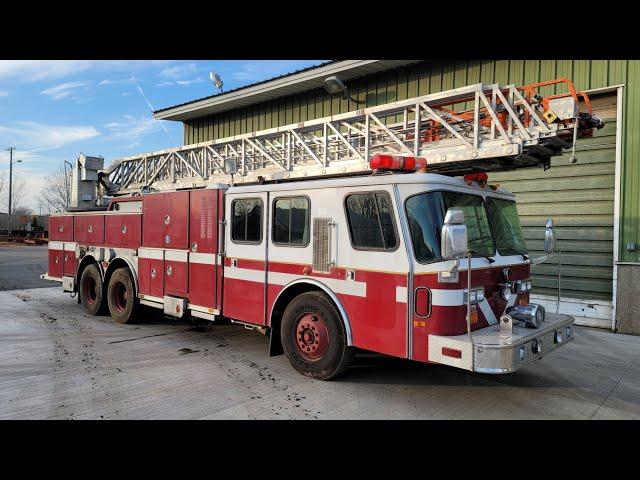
476, 128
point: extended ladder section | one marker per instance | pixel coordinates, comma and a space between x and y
474, 128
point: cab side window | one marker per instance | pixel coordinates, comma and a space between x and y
291, 221
246, 225
371, 223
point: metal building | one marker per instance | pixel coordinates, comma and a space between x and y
595, 202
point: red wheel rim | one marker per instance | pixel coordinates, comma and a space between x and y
90, 290
120, 296
311, 337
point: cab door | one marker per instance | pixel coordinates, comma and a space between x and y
245, 268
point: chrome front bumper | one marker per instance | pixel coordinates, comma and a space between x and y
494, 353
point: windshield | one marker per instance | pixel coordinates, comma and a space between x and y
425, 214
505, 226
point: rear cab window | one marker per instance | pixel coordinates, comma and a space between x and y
246, 226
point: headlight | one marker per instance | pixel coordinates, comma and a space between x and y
474, 296
529, 285
518, 286
506, 293
480, 295
568, 332
557, 338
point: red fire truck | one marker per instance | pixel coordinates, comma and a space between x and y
375, 229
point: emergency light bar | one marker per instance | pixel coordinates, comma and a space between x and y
396, 162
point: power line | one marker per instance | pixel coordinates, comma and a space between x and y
152, 109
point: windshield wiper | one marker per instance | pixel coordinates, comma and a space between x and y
490, 260
514, 252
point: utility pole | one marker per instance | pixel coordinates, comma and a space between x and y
10, 150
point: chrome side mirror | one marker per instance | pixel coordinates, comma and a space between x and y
549, 237
453, 239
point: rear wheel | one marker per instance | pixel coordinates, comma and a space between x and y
91, 290
121, 296
313, 337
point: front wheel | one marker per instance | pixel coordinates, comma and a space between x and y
121, 296
314, 338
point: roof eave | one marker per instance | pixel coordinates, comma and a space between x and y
278, 87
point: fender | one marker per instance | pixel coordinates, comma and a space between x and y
89, 259
134, 270
343, 313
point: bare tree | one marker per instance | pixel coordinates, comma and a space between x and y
3, 181
18, 193
53, 196
22, 211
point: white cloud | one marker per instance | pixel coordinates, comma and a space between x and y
132, 129
179, 71
39, 70
63, 90
182, 83
36, 137
35, 70
117, 81
4, 93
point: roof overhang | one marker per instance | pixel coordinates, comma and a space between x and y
278, 87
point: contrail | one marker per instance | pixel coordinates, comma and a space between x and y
152, 109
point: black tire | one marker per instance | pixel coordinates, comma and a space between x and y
121, 296
299, 336
91, 291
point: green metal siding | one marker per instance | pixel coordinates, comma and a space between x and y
428, 77
580, 199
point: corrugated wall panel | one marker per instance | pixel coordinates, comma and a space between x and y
428, 77
580, 199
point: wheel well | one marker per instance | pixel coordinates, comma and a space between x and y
291, 292
116, 264
84, 263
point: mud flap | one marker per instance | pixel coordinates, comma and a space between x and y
275, 345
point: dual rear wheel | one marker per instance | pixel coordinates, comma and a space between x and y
119, 298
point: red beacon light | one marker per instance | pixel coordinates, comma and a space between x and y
396, 162
480, 177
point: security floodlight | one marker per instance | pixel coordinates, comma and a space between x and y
334, 86
217, 80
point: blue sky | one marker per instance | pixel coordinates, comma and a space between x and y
53, 110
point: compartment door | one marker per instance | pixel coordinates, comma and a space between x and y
61, 228
176, 220
203, 258
151, 272
154, 206
69, 260
123, 230
56, 252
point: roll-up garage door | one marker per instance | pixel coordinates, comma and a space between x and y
580, 199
